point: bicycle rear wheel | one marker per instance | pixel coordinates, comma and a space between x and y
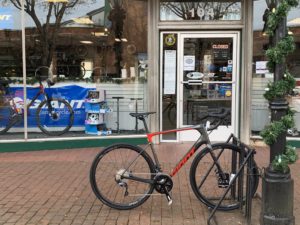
6, 117
57, 121
207, 183
109, 171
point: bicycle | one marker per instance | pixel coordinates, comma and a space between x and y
123, 176
54, 116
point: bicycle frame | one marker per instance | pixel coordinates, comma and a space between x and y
203, 139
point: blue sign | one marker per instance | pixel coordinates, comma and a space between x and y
6, 18
73, 94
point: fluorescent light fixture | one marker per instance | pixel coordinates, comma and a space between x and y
99, 34
295, 21
117, 39
86, 42
124, 39
83, 20
57, 1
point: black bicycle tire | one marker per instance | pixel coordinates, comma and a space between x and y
171, 117
55, 133
93, 182
10, 121
196, 162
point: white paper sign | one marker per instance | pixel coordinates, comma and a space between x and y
261, 67
170, 72
123, 73
189, 63
132, 72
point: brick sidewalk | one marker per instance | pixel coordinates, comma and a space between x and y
52, 187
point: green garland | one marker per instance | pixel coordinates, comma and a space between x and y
277, 54
272, 132
280, 89
278, 14
282, 161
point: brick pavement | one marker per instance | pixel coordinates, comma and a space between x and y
52, 187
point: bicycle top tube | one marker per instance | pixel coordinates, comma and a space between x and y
195, 127
201, 128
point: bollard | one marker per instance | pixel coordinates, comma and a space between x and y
277, 199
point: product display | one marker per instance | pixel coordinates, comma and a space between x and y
96, 107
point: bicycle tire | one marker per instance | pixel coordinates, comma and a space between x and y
6, 117
57, 122
104, 173
211, 191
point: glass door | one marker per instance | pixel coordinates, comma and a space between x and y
207, 80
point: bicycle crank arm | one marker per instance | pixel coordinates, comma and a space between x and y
169, 198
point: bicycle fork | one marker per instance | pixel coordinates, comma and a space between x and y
223, 177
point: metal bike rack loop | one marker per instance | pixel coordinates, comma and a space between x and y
247, 157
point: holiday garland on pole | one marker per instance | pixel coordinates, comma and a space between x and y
280, 89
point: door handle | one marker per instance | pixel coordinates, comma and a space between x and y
192, 82
200, 82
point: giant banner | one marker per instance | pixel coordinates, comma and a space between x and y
74, 94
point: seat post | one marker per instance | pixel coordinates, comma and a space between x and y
145, 125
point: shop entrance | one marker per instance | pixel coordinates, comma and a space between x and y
199, 75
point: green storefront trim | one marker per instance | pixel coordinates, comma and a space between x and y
294, 143
66, 144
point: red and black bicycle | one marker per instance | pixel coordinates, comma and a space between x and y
123, 176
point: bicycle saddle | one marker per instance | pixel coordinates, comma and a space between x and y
141, 115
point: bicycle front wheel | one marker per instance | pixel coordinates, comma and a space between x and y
209, 181
57, 119
112, 176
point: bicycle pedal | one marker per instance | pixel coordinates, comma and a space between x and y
170, 201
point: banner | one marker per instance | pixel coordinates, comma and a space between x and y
6, 18
73, 94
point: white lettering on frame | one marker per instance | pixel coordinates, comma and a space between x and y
202, 12
5, 17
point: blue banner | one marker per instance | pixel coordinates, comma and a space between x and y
6, 18
73, 94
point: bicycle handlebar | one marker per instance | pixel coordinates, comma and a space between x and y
38, 76
219, 117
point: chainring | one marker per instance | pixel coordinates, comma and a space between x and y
163, 182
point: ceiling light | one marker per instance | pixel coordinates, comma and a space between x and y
117, 39
83, 20
290, 32
86, 42
124, 39
99, 34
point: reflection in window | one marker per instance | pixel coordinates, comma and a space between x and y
182, 10
82, 46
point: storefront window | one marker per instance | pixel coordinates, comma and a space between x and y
10, 67
199, 10
261, 76
86, 67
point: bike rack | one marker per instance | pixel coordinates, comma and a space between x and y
247, 157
